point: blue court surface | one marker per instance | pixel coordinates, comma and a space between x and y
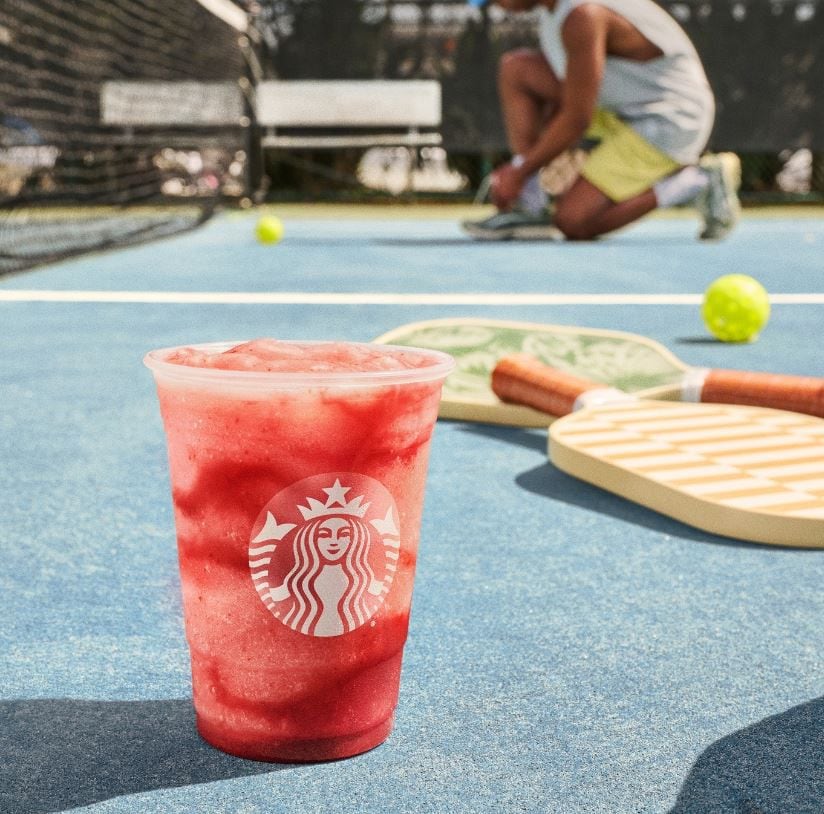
569, 651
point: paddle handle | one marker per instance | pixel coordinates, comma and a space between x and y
799, 394
522, 379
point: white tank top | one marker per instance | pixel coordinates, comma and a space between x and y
667, 100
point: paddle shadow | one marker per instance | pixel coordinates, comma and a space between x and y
529, 438
776, 765
547, 481
61, 753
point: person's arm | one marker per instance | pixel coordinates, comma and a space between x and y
585, 41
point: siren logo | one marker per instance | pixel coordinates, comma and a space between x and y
324, 552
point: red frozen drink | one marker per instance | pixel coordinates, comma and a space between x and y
297, 474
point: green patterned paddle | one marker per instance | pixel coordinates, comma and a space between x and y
627, 362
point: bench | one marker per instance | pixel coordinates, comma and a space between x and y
349, 113
136, 103
292, 113
288, 114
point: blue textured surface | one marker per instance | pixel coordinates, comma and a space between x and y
569, 652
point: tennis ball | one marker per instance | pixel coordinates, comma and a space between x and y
736, 307
269, 229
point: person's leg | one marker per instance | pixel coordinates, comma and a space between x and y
585, 212
719, 205
528, 90
624, 178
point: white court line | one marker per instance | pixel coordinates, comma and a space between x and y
369, 298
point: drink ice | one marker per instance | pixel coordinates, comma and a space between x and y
297, 473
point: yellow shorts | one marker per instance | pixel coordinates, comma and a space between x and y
623, 164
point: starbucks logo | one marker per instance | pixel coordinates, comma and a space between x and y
324, 552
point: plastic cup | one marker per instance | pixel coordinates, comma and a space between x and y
297, 501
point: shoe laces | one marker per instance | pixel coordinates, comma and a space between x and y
484, 187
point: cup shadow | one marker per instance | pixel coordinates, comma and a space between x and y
774, 765
61, 753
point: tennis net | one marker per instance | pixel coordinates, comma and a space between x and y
120, 121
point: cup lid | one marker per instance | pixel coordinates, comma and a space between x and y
432, 365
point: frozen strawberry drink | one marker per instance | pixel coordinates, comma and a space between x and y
297, 474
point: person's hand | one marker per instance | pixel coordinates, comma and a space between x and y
507, 182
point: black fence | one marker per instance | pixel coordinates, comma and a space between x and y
764, 59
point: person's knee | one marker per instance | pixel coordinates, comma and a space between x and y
514, 65
573, 225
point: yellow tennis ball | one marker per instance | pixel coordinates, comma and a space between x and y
736, 307
269, 229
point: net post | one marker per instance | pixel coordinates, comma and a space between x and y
256, 180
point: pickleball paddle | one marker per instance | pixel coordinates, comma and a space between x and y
739, 471
625, 361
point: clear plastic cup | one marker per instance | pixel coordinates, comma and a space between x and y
297, 498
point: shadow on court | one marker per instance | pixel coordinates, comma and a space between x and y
62, 753
423, 242
567, 245
396, 242
529, 438
400, 242
698, 340
775, 765
323, 242
549, 482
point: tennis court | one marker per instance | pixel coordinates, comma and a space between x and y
569, 651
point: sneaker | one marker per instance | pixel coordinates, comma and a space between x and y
719, 204
514, 225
